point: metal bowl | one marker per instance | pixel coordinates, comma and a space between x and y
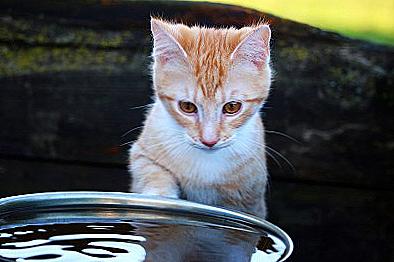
103, 207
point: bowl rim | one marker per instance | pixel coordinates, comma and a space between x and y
36, 201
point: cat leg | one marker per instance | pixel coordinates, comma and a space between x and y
152, 179
260, 210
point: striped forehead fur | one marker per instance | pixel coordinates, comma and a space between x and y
208, 51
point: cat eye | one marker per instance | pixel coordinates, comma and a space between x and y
187, 107
232, 107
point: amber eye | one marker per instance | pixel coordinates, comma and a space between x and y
187, 107
232, 107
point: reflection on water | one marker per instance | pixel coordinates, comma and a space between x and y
134, 241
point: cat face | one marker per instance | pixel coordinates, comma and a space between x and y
211, 81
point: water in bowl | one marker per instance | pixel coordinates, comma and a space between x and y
102, 226
135, 241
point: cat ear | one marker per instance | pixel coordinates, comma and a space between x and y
165, 48
254, 48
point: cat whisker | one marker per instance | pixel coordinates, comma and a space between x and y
131, 130
128, 143
142, 106
177, 133
131, 142
246, 150
160, 145
283, 157
273, 158
170, 150
284, 135
258, 143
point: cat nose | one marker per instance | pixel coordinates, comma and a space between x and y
209, 143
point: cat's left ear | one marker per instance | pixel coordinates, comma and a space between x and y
165, 48
254, 48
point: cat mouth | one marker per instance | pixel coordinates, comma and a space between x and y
213, 148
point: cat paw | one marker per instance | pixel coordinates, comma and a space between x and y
160, 192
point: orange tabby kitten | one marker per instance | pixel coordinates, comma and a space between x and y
203, 139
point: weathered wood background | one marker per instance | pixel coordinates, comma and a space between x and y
71, 73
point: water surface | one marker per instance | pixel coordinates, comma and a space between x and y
136, 241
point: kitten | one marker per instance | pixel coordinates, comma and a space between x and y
203, 139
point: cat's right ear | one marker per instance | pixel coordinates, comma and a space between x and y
255, 48
166, 48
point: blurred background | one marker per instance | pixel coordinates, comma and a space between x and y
74, 83
370, 20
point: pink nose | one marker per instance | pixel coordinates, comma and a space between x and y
209, 143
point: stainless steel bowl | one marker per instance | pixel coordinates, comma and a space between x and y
71, 207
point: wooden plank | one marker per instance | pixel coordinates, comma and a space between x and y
77, 116
69, 74
23, 177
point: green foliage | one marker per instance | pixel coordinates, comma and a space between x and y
370, 20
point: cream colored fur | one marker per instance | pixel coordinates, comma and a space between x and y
169, 159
